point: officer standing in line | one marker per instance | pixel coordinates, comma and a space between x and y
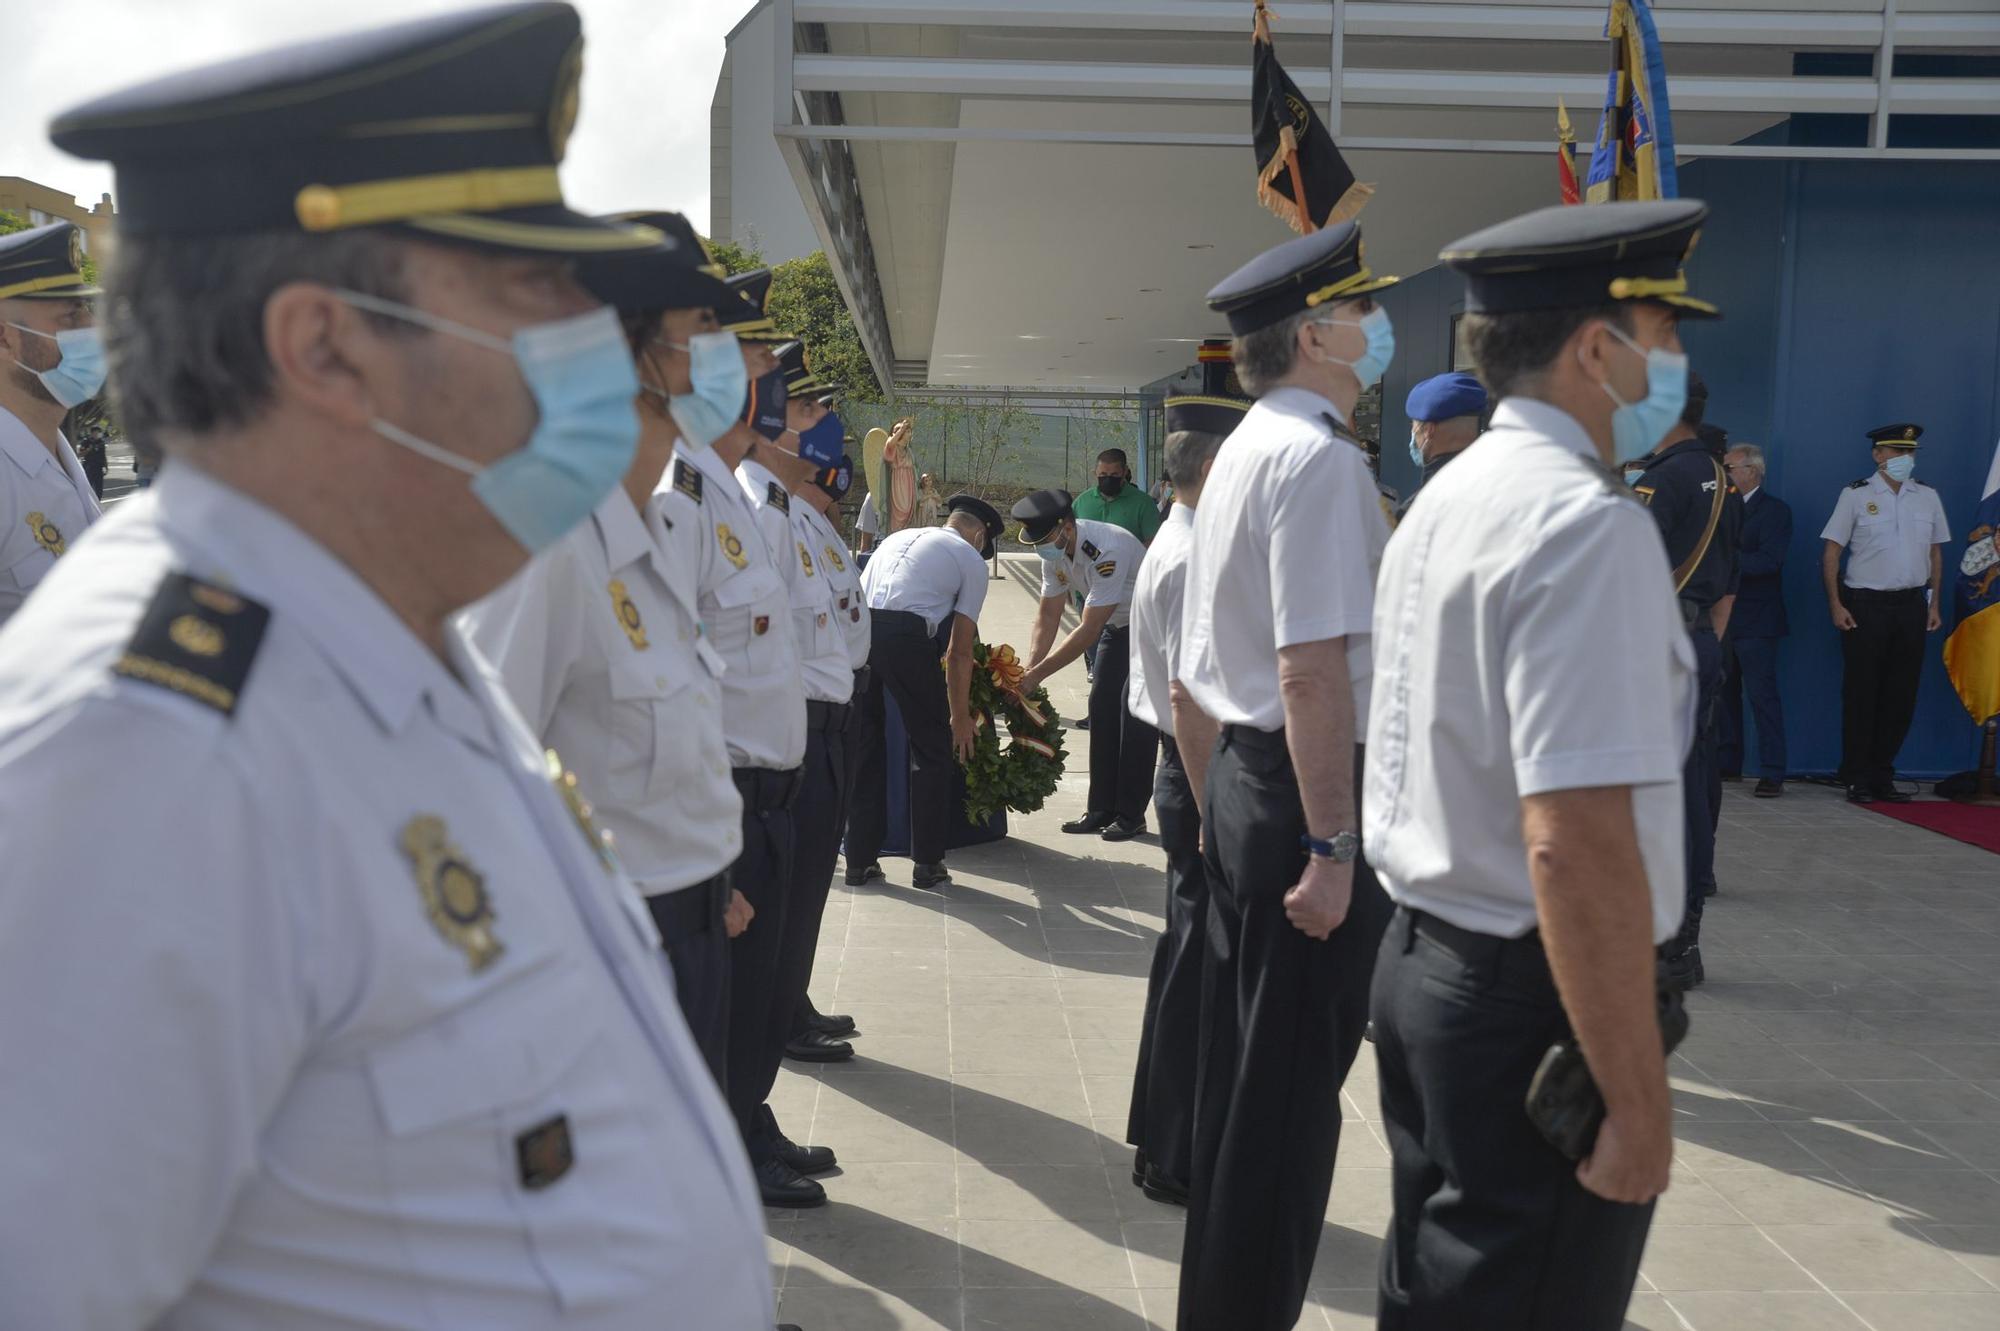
1756, 625
745, 605
1099, 562
1893, 529
382, 1034
925, 587
1161, 1121
1445, 412
1686, 488
1524, 809
1275, 651
54, 361
601, 646
813, 504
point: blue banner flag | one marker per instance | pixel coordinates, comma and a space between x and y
1634, 153
1972, 652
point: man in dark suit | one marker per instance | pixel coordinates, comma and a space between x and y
1756, 625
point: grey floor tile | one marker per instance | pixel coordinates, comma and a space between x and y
844, 1246
1937, 1101
903, 1189
1852, 1146
1773, 1197
1155, 1249
1945, 1197
853, 1308
1977, 1144
1872, 1257
1719, 1257
1977, 1247
1796, 1100
863, 1136
1735, 1311
1028, 1095
1928, 1312
1647, 1312
1010, 1253
1035, 1192
1009, 1137
1053, 1310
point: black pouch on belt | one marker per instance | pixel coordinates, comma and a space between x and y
1563, 1100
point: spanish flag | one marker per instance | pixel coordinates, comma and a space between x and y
1296, 157
1634, 154
1972, 652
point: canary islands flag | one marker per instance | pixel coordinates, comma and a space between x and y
1634, 154
1972, 652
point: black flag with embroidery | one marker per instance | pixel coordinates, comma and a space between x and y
1295, 154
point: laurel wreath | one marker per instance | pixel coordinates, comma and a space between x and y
1022, 773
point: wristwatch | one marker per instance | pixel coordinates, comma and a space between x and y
1341, 849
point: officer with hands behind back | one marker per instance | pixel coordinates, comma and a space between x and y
382, 1036
1524, 813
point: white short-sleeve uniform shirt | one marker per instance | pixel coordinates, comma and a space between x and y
45, 504
932, 572
1888, 533
1527, 640
1102, 569
1286, 543
836, 563
745, 606
1156, 620
819, 623
600, 643
347, 1024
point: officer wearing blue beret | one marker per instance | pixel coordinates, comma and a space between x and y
1446, 413
55, 359
1525, 816
1276, 656
358, 1019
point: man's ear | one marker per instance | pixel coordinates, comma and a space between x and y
323, 353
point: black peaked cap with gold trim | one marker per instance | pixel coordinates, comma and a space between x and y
1566, 256
746, 315
1041, 513
1299, 275
450, 127
1209, 415
1903, 435
988, 516
44, 263
800, 379
678, 274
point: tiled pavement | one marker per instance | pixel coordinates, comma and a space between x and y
1838, 1098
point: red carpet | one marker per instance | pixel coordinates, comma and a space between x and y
1972, 824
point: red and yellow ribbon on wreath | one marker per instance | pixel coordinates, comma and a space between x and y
1008, 672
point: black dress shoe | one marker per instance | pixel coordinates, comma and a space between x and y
1090, 822
864, 874
1767, 789
1081, 723
1891, 795
929, 877
829, 1023
1163, 1189
806, 1159
781, 1185
1860, 795
818, 1047
1124, 829
1685, 969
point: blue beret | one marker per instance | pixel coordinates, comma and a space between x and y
1444, 396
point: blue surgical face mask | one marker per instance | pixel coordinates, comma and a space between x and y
721, 386
1381, 335
1051, 553
79, 375
1416, 449
823, 443
1637, 427
1900, 468
581, 375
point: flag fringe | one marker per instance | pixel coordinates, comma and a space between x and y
1290, 211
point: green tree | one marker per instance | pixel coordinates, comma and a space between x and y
11, 222
734, 257
805, 301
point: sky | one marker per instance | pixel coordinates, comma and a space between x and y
641, 140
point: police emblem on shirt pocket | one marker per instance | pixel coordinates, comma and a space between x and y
47, 534
453, 892
628, 615
732, 545
833, 558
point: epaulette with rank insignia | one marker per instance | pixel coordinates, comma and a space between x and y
1341, 431
198, 640
687, 480
779, 498
1861, 484
1089, 551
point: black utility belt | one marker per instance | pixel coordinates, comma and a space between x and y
897, 624
1900, 596
830, 717
765, 789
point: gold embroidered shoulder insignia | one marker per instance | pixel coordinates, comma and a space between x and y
198, 640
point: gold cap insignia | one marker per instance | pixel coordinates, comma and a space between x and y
833, 557
628, 615
579, 809
807, 560
47, 534
454, 892
76, 252
732, 545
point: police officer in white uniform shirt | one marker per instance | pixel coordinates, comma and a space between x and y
1893, 528
1099, 562
1534, 701
601, 645
745, 604
925, 587
1280, 586
1160, 1123
867, 524
54, 360
356, 1021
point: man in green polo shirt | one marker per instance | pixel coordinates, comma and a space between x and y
1116, 500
